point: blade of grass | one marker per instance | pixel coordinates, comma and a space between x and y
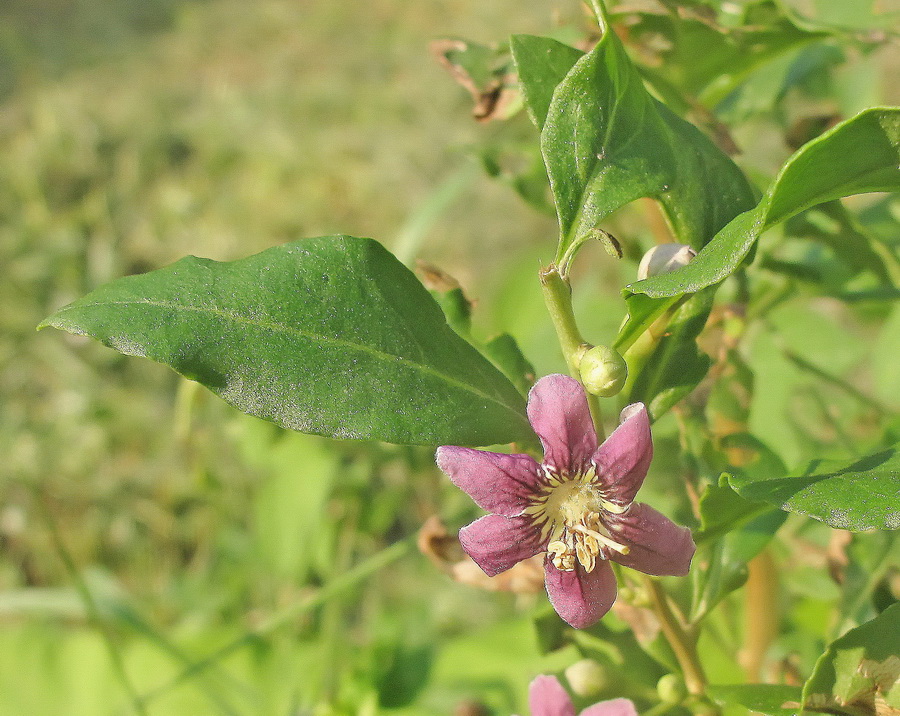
345, 581
412, 235
123, 613
90, 605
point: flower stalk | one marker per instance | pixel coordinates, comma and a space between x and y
558, 298
682, 642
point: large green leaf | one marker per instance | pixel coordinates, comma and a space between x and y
857, 156
861, 495
331, 336
607, 142
860, 671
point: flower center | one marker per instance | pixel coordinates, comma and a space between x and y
568, 509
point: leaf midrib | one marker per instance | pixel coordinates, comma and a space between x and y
291, 330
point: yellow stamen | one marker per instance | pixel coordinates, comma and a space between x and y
603, 539
568, 511
612, 506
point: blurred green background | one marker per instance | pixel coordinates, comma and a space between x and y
144, 525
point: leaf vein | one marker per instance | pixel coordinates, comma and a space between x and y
292, 330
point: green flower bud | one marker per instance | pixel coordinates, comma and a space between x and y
587, 678
671, 689
603, 371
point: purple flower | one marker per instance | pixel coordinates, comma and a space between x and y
547, 697
577, 505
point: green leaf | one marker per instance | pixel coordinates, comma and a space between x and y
853, 245
723, 510
727, 567
607, 142
871, 557
505, 353
331, 336
772, 699
542, 63
457, 310
857, 156
401, 671
857, 496
676, 366
846, 15
708, 61
859, 670
738, 530
642, 312
520, 166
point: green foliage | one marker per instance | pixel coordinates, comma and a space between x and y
692, 50
861, 669
771, 699
859, 495
330, 336
607, 142
542, 63
859, 155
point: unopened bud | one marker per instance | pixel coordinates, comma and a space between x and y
587, 678
665, 258
603, 371
671, 689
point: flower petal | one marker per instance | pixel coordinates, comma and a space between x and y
613, 707
497, 543
622, 460
498, 483
547, 697
658, 546
580, 597
558, 412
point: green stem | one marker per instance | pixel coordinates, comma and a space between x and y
600, 11
682, 643
558, 298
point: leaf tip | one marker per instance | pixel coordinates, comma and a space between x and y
46, 323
